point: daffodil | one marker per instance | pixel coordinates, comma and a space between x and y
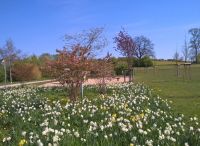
22, 142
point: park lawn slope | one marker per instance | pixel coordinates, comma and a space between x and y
184, 92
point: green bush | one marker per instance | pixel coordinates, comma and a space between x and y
143, 62
1, 74
120, 66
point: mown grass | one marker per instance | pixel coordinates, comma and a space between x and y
183, 91
61, 93
164, 62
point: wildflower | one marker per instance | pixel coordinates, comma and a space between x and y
186, 144
40, 143
134, 139
22, 142
142, 115
114, 115
4, 139
131, 144
55, 122
8, 138
23, 133
161, 137
76, 134
55, 138
149, 142
191, 128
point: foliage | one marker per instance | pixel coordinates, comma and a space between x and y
32, 59
26, 72
127, 47
104, 71
132, 115
142, 62
120, 67
120, 64
72, 68
2, 77
44, 59
74, 62
9, 54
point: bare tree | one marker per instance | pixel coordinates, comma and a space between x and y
195, 42
144, 47
91, 39
9, 53
186, 51
176, 57
126, 46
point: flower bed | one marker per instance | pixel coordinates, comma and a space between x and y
130, 116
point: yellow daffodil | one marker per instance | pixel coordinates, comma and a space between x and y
114, 118
22, 142
114, 115
137, 117
142, 115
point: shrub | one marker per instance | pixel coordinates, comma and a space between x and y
26, 72
120, 67
143, 62
1, 74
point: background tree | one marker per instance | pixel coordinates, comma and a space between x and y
144, 47
44, 59
9, 53
32, 59
186, 51
23, 71
176, 57
195, 42
74, 62
126, 46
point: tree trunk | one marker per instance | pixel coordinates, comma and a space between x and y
5, 73
10, 69
196, 56
11, 74
129, 61
74, 92
102, 87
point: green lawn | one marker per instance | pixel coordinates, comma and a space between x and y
184, 93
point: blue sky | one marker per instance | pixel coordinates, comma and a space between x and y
38, 26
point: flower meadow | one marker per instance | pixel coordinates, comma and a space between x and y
130, 116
